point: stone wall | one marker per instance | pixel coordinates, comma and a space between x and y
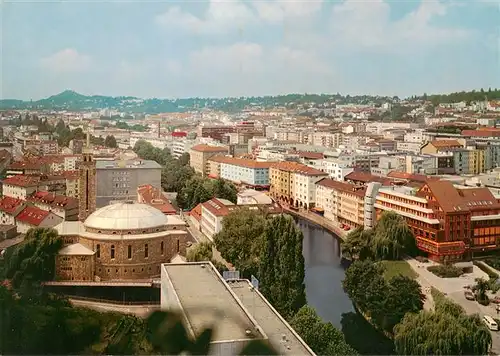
75, 268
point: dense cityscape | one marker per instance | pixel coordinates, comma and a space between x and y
235, 224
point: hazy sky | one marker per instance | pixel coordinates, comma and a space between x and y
231, 48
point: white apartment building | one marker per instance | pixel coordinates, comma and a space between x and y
212, 213
327, 139
412, 147
245, 171
20, 186
179, 147
336, 168
379, 127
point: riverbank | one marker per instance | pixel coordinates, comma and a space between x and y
328, 225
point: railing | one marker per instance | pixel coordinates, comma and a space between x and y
116, 302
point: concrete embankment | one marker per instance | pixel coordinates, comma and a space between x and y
318, 220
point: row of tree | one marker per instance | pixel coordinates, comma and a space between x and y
389, 240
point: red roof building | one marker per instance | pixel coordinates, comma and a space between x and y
147, 194
32, 217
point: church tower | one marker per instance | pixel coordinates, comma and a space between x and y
87, 183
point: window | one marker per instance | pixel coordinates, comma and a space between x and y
129, 251
178, 246
146, 251
112, 251
98, 250
161, 247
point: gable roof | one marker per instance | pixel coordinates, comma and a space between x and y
32, 215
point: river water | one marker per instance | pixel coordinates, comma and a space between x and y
324, 273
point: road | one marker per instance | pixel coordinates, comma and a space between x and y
454, 289
198, 236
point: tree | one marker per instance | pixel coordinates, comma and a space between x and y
357, 244
199, 189
202, 251
403, 296
481, 288
385, 303
240, 240
392, 237
184, 159
281, 265
34, 259
322, 338
110, 141
438, 333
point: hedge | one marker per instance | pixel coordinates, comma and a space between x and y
486, 269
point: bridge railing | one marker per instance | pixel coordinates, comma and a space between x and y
115, 302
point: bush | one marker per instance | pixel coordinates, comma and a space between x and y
484, 301
486, 269
493, 262
446, 271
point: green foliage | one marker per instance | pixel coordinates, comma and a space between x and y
446, 271
384, 302
481, 287
203, 251
281, 266
363, 337
33, 260
175, 174
241, 239
493, 262
441, 333
390, 239
169, 336
322, 338
199, 189
110, 141
398, 268
465, 96
123, 125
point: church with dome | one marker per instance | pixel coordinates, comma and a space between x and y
122, 241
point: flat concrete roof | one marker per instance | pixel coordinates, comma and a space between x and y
273, 325
206, 300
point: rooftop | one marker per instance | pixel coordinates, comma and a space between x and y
137, 164
53, 200
298, 168
207, 300
208, 148
10, 205
32, 215
342, 186
241, 162
219, 207
76, 250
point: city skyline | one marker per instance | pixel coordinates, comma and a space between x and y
255, 48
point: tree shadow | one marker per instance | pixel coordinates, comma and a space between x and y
363, 337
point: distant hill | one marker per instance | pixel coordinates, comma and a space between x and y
71, 100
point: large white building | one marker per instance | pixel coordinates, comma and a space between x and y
239, 312
245, 171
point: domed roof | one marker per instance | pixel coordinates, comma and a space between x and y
126, 216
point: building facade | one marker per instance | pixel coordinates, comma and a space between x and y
119, 180
294, 183
200, 154
87, 186
120, 241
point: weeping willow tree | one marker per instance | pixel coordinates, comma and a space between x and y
439, 333
357, 244
391, 238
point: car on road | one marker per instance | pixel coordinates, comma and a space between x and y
469, 295
496, 300
490, 323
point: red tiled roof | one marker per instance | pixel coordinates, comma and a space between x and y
481, 133
298, 168
53, 200
216, 207
9, 205
342, 186
446, 143
152, 196
365, 177
410, 176
25, 165
208, 148
196, 212
22, 180
32, 215
69, 174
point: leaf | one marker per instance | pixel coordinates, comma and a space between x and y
201, 345
258, 347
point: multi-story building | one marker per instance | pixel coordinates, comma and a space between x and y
294, 183
9, 209
87, 186
119, 180
63, 206
33, 217
341, 202
20, 186
441, 146
200, 154
240, 170
469, 161
448, 223
212, 213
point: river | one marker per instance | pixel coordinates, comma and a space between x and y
323, 279
324, 273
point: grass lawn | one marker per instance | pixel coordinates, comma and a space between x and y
393, 268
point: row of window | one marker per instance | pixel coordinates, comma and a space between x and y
129, 250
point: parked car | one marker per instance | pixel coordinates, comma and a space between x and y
469, 295
496, 300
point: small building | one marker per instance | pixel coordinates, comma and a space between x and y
33, 217
147, 194
438, 146
212, 213
9, 209
200, 154
63, 206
